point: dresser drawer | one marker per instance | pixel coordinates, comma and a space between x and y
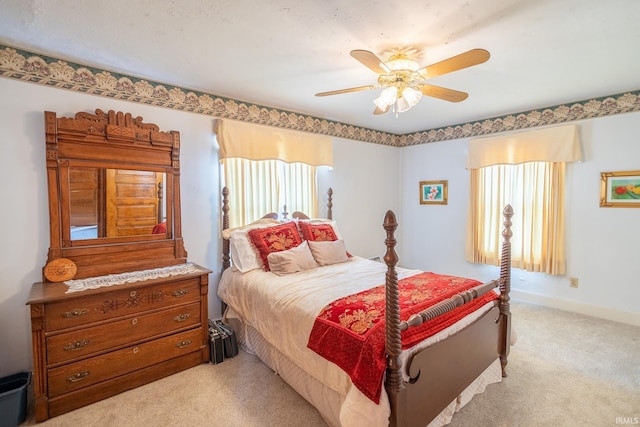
116, 303
79, 343
93, 370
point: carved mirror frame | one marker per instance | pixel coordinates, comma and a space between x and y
112, 140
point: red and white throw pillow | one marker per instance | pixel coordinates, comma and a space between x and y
274, 239
243, 253
320, 232
317, 231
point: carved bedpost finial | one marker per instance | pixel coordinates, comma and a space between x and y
393, 342
225, 224
329, 203
390, 225
505, 260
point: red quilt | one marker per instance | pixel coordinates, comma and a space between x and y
350, 331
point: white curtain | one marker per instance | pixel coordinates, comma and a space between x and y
258, 187
269, 169
527, 171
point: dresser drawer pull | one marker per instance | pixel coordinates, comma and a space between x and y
77, 377
180, 293
72, 346
134, 321
75, 313
182, 317
183, 344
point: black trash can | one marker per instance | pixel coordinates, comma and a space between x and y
13, 399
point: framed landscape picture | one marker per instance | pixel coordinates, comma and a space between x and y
433, 192
620, 189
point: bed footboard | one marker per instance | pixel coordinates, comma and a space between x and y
441, 372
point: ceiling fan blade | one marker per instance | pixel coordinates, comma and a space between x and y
443, 93
379, 110
370, 60
455, 63
351, 89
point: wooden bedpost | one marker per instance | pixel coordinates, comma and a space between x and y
329, 203
505, 288
393, 344
225, 224
160, 203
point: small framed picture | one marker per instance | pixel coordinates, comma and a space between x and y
620, 189
433, 192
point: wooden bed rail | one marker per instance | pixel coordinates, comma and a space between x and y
394, 326
449, 304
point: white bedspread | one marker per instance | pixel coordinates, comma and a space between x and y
283, 310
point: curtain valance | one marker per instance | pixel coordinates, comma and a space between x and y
258, 142
557, 144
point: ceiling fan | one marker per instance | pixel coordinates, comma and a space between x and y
405, 82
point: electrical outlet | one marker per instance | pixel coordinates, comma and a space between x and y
573, 282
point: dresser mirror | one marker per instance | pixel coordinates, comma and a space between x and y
107, 202
114, 193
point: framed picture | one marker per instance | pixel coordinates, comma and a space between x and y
433, 192
620, 189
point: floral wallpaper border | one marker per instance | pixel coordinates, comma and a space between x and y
36, 68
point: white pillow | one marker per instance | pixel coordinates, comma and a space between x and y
328, 252
262, 222
243, 254
292, 260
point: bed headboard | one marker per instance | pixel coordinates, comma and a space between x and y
226, 260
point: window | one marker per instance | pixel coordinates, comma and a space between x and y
527, 171
266, 168
257, 187
536, 192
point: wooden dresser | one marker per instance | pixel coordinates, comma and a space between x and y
115, 226
92, 344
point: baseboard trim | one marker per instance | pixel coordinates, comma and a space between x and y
578, 307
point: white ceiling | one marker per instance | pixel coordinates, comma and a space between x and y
279, 53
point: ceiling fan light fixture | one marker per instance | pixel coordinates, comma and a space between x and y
402, 62
408, 98
387, 97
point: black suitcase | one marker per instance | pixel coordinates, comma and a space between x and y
216, 348
229, 340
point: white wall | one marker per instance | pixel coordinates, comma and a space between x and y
365, 180
602, 243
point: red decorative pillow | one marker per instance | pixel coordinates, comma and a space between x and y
274, 239
160, 228
317, 232
321, 232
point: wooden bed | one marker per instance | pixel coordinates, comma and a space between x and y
439, 373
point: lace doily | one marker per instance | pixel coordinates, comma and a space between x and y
134, 276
